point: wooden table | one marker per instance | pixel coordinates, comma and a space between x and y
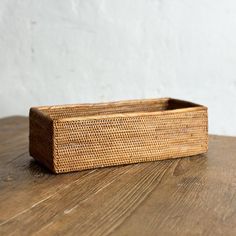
189, 196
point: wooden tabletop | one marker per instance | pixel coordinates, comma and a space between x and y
189, 196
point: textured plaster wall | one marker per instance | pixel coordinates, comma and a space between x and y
61, 51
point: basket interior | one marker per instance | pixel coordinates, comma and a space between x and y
80, 110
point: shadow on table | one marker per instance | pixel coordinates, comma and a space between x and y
36, 168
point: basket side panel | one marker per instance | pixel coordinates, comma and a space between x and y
41, 138
85, 144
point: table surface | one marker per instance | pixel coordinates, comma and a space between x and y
188, 196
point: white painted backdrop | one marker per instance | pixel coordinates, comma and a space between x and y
61, 51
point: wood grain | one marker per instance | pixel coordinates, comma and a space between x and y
190, 196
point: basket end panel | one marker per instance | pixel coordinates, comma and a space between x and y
189, 133
41, 138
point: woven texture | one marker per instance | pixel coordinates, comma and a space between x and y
79, 137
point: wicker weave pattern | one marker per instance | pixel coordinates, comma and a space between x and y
103, 138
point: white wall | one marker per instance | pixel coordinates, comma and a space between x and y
61, 51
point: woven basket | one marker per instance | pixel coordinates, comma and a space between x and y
84, 136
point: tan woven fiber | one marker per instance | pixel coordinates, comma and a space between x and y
84, 136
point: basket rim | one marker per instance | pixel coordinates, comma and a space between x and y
131, 114
192, 107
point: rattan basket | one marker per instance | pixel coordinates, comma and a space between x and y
84, 136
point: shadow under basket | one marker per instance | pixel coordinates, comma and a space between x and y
84, 136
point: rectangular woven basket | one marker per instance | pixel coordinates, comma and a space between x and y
84, 136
